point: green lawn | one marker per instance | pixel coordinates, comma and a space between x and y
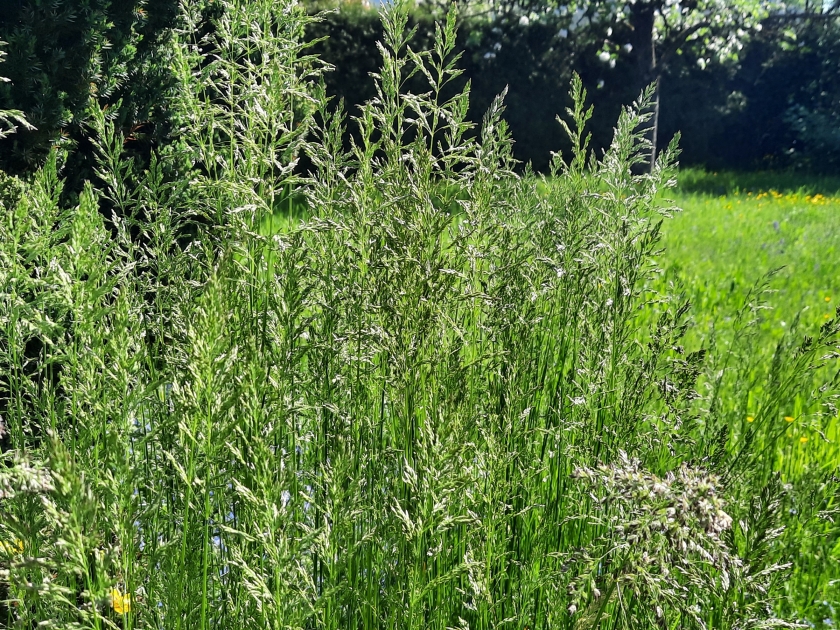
721, 244
763, 243
733, 231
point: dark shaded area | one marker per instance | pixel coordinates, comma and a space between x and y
778, 108
66, 56
531, 61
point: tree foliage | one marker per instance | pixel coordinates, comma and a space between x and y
66, 55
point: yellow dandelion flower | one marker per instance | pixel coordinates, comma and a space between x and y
803, 439
750, 419
120, 602
788, 418
827, 298
12, 548
826, 316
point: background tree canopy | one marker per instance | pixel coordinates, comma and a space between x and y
747, 87
745, 94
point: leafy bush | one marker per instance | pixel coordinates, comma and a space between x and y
778, 109
818, 135
444, 399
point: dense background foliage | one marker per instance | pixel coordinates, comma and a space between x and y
66, 56
776, 106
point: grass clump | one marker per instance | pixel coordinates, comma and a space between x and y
443, 400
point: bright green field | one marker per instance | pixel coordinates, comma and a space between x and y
732, 232
734, 229
779, 237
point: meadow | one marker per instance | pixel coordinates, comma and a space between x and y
448, 395
771, 239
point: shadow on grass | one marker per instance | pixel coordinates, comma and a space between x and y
717, 184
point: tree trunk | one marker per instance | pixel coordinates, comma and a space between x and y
647, 71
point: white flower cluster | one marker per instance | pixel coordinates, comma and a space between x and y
721, 26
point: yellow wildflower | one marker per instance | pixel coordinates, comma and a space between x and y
120, 602
828, 298
803, 439
788, 418
750, 419
12, 548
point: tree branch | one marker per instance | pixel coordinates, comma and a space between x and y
679, 40
791, 17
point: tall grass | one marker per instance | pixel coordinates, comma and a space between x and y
444, 400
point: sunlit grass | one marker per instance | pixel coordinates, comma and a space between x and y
733, 230
721, 245
436, 395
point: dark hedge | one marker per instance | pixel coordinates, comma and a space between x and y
65, 55
778, 108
